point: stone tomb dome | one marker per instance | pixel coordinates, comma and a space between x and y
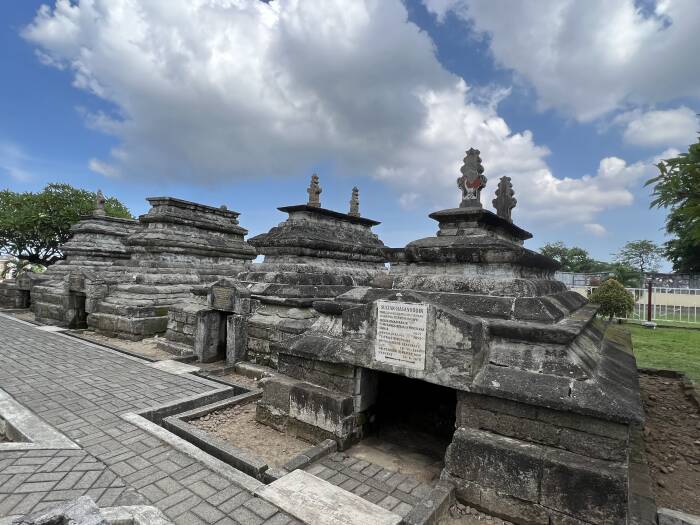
544, 397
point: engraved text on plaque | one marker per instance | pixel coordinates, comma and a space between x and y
221, 298
400, 338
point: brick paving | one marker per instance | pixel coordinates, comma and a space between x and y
391, 490
82, 390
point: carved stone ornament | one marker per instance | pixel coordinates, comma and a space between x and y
99, 204
505, 200
355, 203
472, 180
314, 191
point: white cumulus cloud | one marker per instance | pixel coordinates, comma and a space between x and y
206, 91
595, 229
671, 127
589, 58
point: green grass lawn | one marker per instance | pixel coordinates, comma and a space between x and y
667, 348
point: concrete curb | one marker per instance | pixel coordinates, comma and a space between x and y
227, 471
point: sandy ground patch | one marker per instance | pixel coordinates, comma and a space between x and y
672, 439
145, 347
237, 426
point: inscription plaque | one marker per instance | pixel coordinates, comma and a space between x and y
400, 338
221, 298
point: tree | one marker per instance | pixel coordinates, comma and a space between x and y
628, 276
572, 259
677, 188
33, 226
613, 299
643, 256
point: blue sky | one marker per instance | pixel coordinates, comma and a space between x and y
239, 104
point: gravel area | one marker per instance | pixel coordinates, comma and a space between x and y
237, 426
672, 439
24, 315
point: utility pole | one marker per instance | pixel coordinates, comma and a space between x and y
649, 323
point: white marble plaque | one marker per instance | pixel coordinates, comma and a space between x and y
400, 338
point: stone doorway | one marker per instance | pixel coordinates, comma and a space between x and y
414, 412
210, 341
76, 311
220, 336
411, 426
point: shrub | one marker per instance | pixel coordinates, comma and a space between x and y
613, 299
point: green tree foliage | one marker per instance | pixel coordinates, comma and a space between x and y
613, 299
643, 256
677, 188
627, 275
574, 259
34, 225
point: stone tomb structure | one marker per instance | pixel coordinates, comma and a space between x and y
97, 242
473, 340
57, 296
14, 293
179, 245
315, 254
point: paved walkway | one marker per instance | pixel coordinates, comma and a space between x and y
81, 390
398, 493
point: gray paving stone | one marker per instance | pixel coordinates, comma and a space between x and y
261, 507
202, 489
246, 517
389, 502
207, 512
119, 462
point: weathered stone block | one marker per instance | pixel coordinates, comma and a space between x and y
508, 465
272, 417
338, 377
236, 338
322, 408
593, 445
589, 489
276, 391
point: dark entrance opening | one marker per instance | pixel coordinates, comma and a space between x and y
213, 324
78, 316
414, 415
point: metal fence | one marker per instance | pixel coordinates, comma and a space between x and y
674, 305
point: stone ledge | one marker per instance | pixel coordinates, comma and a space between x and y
313, 500
33, 432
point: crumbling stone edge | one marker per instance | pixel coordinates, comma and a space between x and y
434, 506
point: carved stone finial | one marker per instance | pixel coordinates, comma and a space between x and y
223, 207
99, 204
314, 191
505, 200
472, 180
355, 203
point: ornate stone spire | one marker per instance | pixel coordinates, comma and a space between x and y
314, 191
472, 180
355, 203
505, 200
99, 210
